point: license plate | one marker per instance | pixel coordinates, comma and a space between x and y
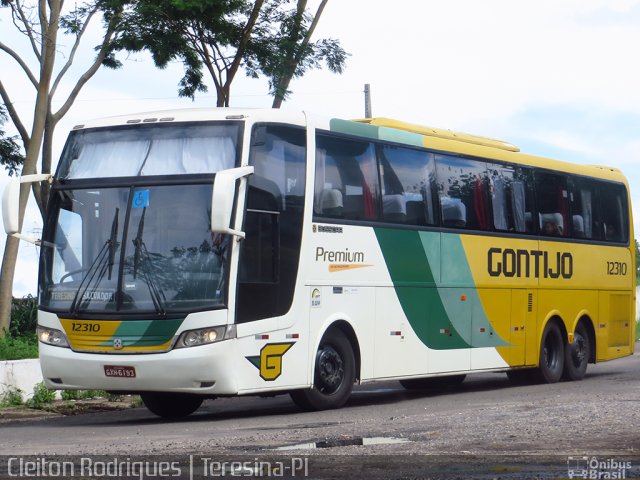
119, 371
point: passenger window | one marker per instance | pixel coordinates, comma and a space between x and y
615, 212
585, 216
552, 198
511, 198
346, 183
408, 185
463, 191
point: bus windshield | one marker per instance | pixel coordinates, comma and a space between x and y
128, 226
133, 250
159, 149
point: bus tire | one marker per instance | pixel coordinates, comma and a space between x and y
171, 405
552, 356
577, 355
433, 382
334, 375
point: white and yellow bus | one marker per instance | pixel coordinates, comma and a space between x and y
193, 254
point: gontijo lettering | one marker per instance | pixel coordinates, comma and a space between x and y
529, 263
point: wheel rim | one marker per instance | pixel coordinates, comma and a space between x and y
578, 350
329, 370
551, 352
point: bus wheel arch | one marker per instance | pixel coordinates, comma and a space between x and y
335, 371
591, 332
348, 331
552, 351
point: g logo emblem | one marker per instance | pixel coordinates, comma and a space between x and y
270, 360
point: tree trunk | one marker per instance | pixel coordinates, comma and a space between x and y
48, 48
296, 56
6, 282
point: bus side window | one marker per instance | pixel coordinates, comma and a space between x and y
408, 185
585, 216
346, 183
511, 198
615, 212
552, 198
463, 190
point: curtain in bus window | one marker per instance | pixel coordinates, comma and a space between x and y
499, 204
518, 205
189, 155
479, 204
587, 213
368, 171
109, 159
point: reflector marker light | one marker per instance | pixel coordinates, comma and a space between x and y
262, 337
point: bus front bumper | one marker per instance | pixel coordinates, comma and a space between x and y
205, 369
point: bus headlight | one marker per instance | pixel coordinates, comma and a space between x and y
51, 336
204, 336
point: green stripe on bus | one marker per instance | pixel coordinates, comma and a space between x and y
421, 302
353, 128
437, 313
146, 333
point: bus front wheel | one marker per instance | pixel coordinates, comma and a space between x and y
334, 375
577, 355
171, 405
551, 354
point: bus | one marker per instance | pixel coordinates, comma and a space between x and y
204, 253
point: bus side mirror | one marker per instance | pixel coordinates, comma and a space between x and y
11, 204
224, 189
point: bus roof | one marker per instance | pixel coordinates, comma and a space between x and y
440, 133
432, 138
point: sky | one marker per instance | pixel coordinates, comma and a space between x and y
558, 78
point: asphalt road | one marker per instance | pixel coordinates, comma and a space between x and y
484, 428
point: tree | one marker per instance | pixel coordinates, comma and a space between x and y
41, 23
294, 54
10, 155
221, 36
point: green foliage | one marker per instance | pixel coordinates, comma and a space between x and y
10, 153
219, 36
42, 397
24, 317
18, 348
12, 397
83, 394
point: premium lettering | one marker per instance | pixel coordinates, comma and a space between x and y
344, 256
529, 263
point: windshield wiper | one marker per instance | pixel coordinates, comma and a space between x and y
101, 264
157, 295
113, 244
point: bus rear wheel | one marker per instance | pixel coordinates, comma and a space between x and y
577, 355
171, 405
551, 354
334, 375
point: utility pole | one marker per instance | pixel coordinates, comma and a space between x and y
367, 101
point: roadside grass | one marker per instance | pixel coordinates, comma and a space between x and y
18, 348
73, 402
